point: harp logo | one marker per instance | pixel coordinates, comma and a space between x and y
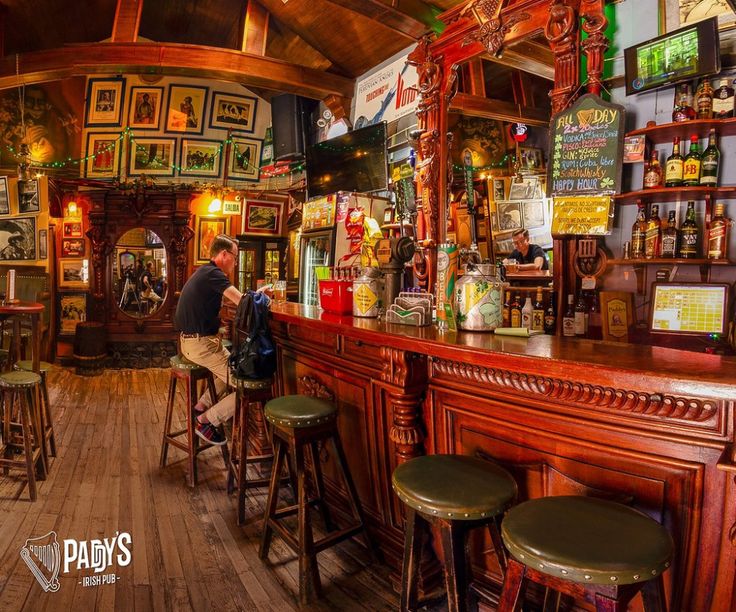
43, 558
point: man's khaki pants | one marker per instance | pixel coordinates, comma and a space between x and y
208, 352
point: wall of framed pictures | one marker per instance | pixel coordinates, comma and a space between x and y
24, 221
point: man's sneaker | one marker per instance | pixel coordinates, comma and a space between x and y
209, 433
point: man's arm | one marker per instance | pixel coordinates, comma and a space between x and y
537, 265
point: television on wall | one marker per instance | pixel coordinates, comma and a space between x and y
682, 55
356, 161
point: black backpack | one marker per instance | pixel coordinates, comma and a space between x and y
255, 355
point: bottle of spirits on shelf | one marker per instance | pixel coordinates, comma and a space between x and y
673, 167
538, 312
653, 174
669, 237
689, 234
683, 110
718, 234
723, 99
506, 313
653, 236
704, 99
526, 313
581, 310
550, 319
568, 321
710, 161
638, 232
515, 310
691, 167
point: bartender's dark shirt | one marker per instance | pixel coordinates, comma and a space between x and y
534, 251
198, 310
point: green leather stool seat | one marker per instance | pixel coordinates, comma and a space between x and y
252, 384
27, 365
299, 411
19, 379
456, 487
587, 540
181, 363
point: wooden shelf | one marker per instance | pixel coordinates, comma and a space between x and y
666, 132
674, 194
677, 261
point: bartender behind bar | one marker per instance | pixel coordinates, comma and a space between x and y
528, 256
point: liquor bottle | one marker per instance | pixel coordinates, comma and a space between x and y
718, 235
653, 174
568, 321
689, 233
267, 151
515, 311
550, 319
638, 232
669, 237
653, 237
691, 167
538, 312
710, 161
723, 99
581, 309
673, 166
704, 99
683, 110
526, 313
506, 313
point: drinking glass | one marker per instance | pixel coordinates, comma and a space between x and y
279, 291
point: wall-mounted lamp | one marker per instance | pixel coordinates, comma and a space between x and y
215, 205
71, 209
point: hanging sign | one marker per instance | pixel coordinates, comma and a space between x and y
231, 207
519, 131
586, 147
468, 174
582, 215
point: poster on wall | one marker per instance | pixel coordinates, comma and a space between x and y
185, 110
387, 94
72, 310
18, 239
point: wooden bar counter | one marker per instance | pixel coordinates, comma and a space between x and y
647, 426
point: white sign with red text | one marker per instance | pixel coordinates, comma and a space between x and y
387, 94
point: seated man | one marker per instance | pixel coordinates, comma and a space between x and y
529, 256
146, 281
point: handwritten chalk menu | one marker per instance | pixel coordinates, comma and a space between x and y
586, 145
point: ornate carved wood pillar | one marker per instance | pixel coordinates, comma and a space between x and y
179, 241
594, 25
101, 248
563, 35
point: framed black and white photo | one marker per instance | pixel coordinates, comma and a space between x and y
533, 214
524, 190
499, 189
28, 201
144, 111
674, 14
510, 216
18, 239
72, 310
245, 159
200, 157
43, 244
153, 156
185, 109
4, 198
73, 273
105, 99
233, 112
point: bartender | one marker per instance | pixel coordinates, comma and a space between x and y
529, 256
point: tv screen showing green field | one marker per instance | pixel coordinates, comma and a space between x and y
668, 59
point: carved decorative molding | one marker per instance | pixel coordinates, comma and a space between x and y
594, 46
562, 34
400, 367
314, 388
493, 28
646, 403
178, 248
405, 432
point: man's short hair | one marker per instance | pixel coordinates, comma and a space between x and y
220, 243
520, 232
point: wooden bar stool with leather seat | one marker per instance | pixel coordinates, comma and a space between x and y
47, 421
190, 374
300, 422
24, 433
456, 493
588, 548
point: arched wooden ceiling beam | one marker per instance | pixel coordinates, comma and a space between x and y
254, 33
127, 21
412, 18
172, 59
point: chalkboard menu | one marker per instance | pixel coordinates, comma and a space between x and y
586, 148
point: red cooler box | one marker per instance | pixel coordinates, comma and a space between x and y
336, 296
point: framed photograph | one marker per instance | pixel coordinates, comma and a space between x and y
263, 218
73, 247
634, 148
499, 189
105, 102
527, 189
72, 309
18, 239
674, 14
73, 273
154, 156
4, 198
145, 108
533, 214
532, 159
72, 229
200, 157
28, 201
233, 112
245, 159
510, 216
104, 150
185, 109
43, 244
207, 229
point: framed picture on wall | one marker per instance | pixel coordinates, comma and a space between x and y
72, 229
153, 156
200, 157
674, 14
263, 218
43, 244
245, 159
499, 189
510, 216
104, 155
4, 198
28, 201
72, 310
73, 273
20, 242
145, 108
105, 102
73, 247
233, 112
185, 109
207, 229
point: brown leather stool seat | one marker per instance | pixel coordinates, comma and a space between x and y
613, 550
456, 493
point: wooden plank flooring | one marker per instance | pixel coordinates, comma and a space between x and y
187, 551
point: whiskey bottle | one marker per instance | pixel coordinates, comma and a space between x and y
669, 237
581, 309
653, 174
653, 237
550, 319
526, 313
723, 99
718, 235
710, 161
691, 167
704, 100
673, 166
689, 233
515, 311
568, 321
638, 232
683, 110
538, 312
506, 313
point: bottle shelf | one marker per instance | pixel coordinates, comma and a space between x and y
666, 132
672, 261
674, 194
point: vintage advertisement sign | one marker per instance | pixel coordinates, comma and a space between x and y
582, 215
385, 95
586, 147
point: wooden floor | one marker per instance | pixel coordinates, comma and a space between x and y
187, 551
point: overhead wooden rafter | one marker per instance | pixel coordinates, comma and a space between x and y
413, 18
254, 33
127, 21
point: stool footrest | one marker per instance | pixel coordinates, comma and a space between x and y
289, 510
337, 536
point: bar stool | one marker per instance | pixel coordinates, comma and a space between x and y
47, 421
251, 394
600, 550
191, 374
22, 386
300, 422
456, 493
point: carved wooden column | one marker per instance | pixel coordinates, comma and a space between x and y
101, 248
594, 25
179, 242
563, 35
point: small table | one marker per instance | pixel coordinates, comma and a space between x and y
34, 310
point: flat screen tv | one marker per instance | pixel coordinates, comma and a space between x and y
689, 308
355, 161
682, 55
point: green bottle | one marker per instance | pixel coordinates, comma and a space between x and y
691, 167
709, 162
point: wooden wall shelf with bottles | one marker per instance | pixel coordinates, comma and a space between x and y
673, 261
666, 132
673, 194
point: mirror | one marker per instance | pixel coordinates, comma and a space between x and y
139, 273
